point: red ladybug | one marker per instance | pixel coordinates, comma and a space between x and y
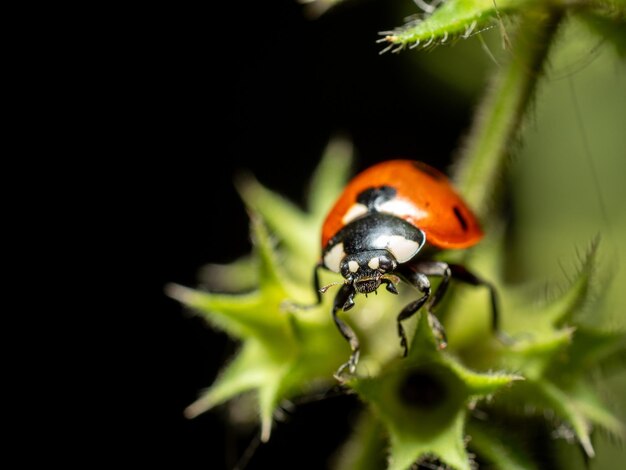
387, 222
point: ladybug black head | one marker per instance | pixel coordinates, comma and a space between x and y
364, 270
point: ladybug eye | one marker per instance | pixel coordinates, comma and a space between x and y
386, 264
348, 268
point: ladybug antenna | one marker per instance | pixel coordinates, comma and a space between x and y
392, 277
328, 286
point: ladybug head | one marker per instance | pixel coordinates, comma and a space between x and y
365, 270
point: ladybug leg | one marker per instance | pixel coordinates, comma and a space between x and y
462, 274
440, 333
435, 268
389, 286
316, 283
345, 300
421, 282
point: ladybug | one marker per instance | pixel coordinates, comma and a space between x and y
385, 227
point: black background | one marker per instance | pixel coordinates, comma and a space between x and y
257, 86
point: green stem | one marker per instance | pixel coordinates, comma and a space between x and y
502, 110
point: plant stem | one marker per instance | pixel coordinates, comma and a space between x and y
500, 115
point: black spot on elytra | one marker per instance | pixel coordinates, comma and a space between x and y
460, 218
430, 171
373, 197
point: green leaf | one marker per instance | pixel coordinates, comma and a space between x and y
590, 349
235, 314
296, 230
568, 410
534, 355
454, 18
238, 276
283, 217
246, 372
561, 310
589, 404
283, 353
448, 446
329, 178
274, 389
271, 276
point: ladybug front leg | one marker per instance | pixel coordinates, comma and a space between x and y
421, 282
344, 300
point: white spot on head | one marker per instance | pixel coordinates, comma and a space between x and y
401, 248
401, 208
355, 211
374, 263
332, 259
353, 266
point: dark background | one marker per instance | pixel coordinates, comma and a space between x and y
256, 86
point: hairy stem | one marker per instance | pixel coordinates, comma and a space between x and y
502, 109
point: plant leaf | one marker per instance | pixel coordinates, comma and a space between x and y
454, 18
589, 404
283, 217
561, 310
567, 409
329, 178
589, 350
238, 276
244, 373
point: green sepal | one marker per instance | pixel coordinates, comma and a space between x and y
247, 371
422, 401
566, 407
329, 179
237, 315
284, 353
297, 231
562, 310
238, 276
534, 355
283, 217
596, 412
590, 350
